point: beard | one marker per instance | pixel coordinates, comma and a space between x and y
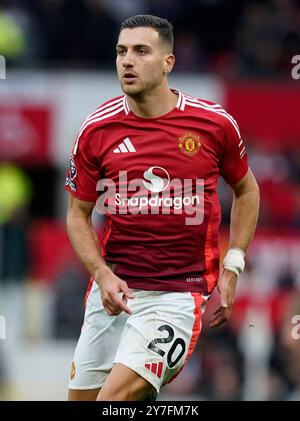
138, 89
133, 90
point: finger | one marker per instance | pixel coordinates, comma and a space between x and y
126, 291
111, 307
112, 311
122, 306
221, 317
114, 302
217, 317
218, 311
217, 321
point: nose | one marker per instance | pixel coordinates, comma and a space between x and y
127, 60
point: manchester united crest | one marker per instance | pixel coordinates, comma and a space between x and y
189, 144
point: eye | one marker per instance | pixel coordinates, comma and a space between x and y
142, 52
121, 52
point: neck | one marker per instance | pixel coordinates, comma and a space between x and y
153, 104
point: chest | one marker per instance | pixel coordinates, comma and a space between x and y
183, 150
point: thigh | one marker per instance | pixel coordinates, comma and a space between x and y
124, 384
161, 334
97, 345
83, 395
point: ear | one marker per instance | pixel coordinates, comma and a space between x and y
169, 63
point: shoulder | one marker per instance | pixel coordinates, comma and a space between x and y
214, 112
109, 111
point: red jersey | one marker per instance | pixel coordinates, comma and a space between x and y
197, 140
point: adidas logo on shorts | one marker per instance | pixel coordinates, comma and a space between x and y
155, 368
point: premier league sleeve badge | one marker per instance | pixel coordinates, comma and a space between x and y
73, 170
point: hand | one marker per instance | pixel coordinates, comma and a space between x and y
226, 287
110, 288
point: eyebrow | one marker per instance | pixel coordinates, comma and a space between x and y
134, 46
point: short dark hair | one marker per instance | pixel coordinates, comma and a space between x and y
162, 26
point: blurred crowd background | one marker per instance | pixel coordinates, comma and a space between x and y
60, 66
229, 37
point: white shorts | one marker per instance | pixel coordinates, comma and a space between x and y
155, 341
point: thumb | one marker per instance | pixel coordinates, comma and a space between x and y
223, 296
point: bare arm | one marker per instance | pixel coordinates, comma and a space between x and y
244, 214
84, 240
83, 237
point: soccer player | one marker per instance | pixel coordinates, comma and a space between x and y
158, 261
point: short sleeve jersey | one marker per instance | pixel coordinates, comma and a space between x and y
156, 173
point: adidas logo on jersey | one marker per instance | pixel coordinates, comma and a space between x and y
125, 147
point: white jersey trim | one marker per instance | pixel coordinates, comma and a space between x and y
180, 102
109, 112
115, 107
215, 109
103, 107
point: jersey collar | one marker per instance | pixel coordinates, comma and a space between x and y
180, 103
